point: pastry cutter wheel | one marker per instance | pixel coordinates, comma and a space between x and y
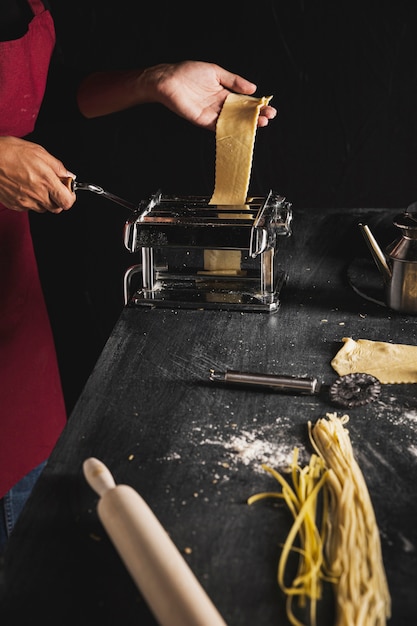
350, 390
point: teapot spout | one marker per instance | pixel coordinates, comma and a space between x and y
377, 253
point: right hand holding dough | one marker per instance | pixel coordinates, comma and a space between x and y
30, 178
194, 90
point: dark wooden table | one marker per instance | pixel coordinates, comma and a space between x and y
194, 449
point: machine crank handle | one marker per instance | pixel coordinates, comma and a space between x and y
73, 185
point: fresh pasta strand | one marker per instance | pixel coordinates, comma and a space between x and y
302, 501
353, 549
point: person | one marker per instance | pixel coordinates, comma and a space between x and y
32, 407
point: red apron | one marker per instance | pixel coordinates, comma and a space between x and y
32, 410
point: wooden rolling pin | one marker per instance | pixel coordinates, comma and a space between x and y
162, 575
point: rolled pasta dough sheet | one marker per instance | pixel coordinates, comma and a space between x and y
226, 262
235, 140
391, 363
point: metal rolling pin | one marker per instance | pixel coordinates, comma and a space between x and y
309, 386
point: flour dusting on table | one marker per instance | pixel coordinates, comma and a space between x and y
247, 448
251, 446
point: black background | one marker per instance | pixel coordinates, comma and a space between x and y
342, 76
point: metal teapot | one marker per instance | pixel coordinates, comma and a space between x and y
398, 266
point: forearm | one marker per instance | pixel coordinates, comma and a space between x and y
102, 93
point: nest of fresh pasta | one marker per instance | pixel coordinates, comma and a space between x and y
334, 534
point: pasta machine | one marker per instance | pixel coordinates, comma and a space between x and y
172, 234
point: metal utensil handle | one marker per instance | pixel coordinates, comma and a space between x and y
280, 383
73, 185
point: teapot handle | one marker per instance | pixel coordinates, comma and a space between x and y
376, 252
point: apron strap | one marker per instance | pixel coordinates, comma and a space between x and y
37, 6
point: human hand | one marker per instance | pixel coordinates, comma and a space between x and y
30, 178
196, 90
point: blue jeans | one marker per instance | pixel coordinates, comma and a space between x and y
13, 502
